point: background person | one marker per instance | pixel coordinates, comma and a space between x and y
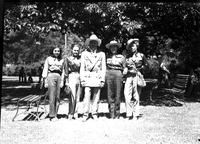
92, 75
115, 65
135, 64
167, 71
22, 75
30, 78
54, 73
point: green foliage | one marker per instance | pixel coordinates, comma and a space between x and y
26, 24
13, 70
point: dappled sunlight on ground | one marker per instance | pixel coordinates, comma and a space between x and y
159, 124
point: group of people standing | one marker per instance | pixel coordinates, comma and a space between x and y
90, 71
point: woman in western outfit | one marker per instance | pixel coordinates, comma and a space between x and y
53, 74
135, 64
115, 65
73, 81
92, 75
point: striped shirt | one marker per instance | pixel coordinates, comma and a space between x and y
116, 62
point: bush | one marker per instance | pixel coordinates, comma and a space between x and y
9, 71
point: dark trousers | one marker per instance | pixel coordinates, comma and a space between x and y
114, 85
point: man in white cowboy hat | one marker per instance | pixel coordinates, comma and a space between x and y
92, 75
115, 63
135, 63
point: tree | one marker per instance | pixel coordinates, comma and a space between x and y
153, 22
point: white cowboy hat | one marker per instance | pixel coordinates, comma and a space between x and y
130, 41
113, 43
91, 38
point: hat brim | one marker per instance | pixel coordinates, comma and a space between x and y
128, 46
117, 44
88, 41
134, 40
170, 53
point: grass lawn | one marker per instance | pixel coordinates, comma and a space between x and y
158, 125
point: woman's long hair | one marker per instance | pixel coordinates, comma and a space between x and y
59, 56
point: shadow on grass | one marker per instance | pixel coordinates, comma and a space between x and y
159, 99
32, 116
12, 90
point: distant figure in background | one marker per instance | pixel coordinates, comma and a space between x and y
22, 75
40, 69
167, 69
30, 79
164, 71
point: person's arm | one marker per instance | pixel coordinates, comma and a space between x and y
103, 73
125, 69
162, 65
45, 73
66, 70
133, 69
123, 62
82, 68
62, 74
45, 69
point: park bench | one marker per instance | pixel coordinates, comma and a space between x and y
152, 85
179, 87
30, 100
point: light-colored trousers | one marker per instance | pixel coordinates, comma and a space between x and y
75, 85
54, 80
91, 105
132, 90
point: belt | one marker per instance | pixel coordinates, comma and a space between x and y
56, 71
75, 72
114, 70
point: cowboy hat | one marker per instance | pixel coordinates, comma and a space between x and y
114, 42
93, 37
130, 41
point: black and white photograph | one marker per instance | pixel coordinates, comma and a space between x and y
100, 72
